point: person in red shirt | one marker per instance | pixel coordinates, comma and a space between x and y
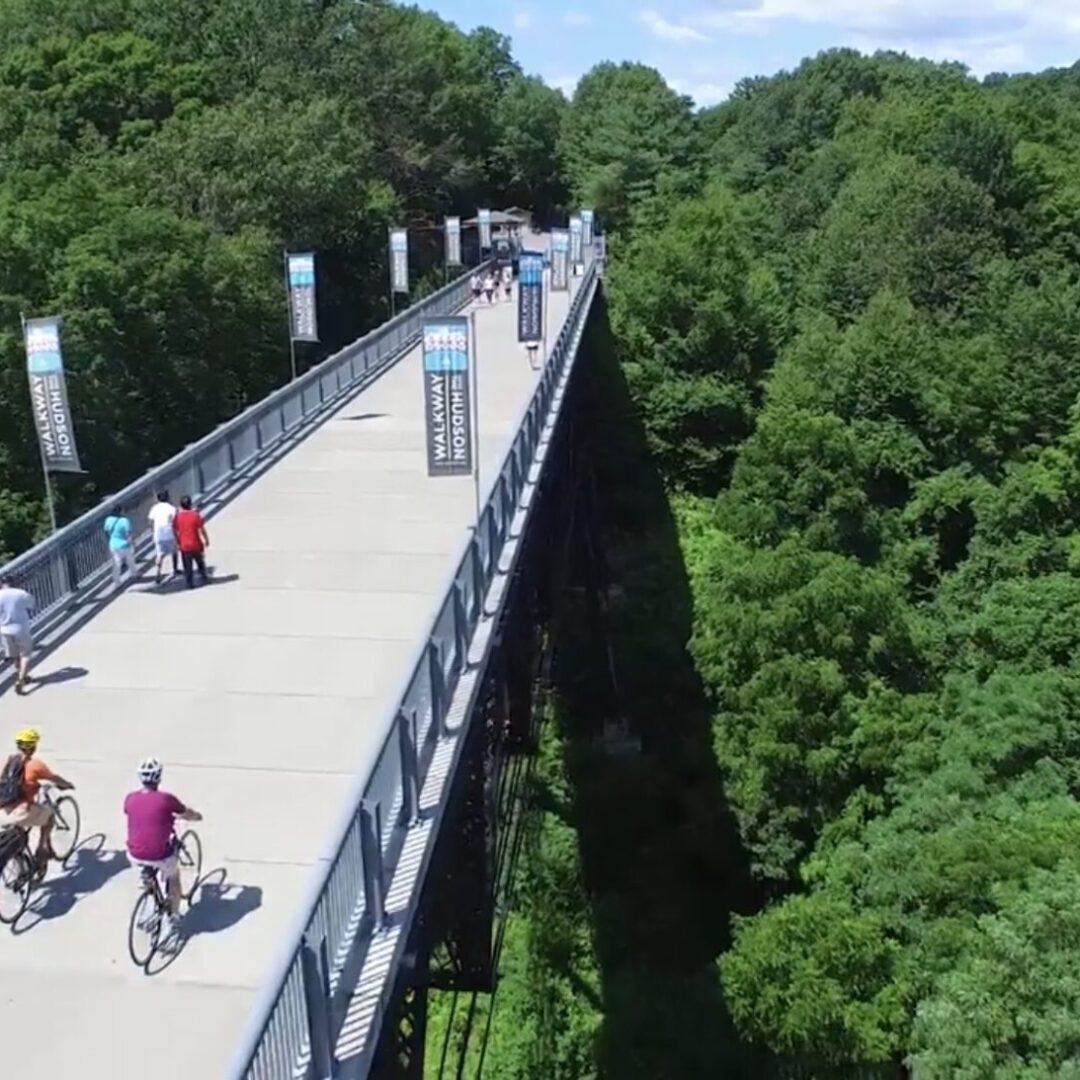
192, 541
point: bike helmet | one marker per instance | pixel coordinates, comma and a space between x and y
150, 771
28, 737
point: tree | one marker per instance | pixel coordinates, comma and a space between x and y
625, 128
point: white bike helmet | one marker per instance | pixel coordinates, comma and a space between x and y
150, 771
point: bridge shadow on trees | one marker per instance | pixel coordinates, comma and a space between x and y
661, 856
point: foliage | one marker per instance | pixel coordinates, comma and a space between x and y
885, 551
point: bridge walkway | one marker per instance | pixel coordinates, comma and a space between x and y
265, 694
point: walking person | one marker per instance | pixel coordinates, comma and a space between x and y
489, 287
15, 607
121, 548
192, 541
161, 522
476, 285
508, 283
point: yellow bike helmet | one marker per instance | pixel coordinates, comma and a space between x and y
28, 737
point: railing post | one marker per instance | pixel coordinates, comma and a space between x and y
478, 574
439, 705
315, 974
410, 767
371, 852
461, 625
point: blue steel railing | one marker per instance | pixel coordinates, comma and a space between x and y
76, 558
299, 1016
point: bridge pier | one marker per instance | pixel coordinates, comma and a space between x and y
456, 938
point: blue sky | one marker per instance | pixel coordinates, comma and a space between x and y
703, 47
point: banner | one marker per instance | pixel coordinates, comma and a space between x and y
453, 241
48, 396
575, 240
300, 273
447, 404
560, 260
399, 260
530, 296
484, 217
586, 227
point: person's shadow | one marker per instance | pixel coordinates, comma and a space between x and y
51, 678
217, 907
89, 868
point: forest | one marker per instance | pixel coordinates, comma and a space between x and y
834, 391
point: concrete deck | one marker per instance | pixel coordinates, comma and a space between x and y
264, 695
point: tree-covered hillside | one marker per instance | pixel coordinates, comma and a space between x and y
156, 156
855, 351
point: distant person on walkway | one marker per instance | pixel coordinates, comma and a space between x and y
489, 287
15, 607
476, 285
192, 541
508, 282
161, 522
121, 548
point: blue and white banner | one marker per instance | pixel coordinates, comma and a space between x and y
530, 296
575, 240
586, 227
453, 241
300, 273
48, 396
560, 260
484, 218
447, 401
399, 260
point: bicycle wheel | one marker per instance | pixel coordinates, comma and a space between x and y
67, 821
144, 928
16, 884
189, 855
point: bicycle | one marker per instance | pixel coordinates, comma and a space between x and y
19, 870
18, 873
67, 820
151, 906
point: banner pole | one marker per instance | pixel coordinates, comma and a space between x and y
390, 269
289, 307
476, 411
49, 501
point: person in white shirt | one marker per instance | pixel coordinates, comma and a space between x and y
161, 523
15, 607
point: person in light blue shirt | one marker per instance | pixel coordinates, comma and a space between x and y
121, 548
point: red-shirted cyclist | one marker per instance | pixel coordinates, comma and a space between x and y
151, 834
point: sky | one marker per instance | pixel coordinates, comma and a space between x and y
703, 47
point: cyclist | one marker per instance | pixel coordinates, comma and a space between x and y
151, 837
20, 779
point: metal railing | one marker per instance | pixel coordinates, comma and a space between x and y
298, 1018
76, 558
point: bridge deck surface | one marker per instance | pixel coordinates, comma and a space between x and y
264, 694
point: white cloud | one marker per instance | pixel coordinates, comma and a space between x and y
522, 20
566, 83
576, 18
703, 93
659, 27
915, 19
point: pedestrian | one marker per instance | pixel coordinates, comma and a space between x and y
161, 523
192, 541
121, 548
489, 287
508, 282
15, 607
475, 284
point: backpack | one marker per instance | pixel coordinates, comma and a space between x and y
11, 781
